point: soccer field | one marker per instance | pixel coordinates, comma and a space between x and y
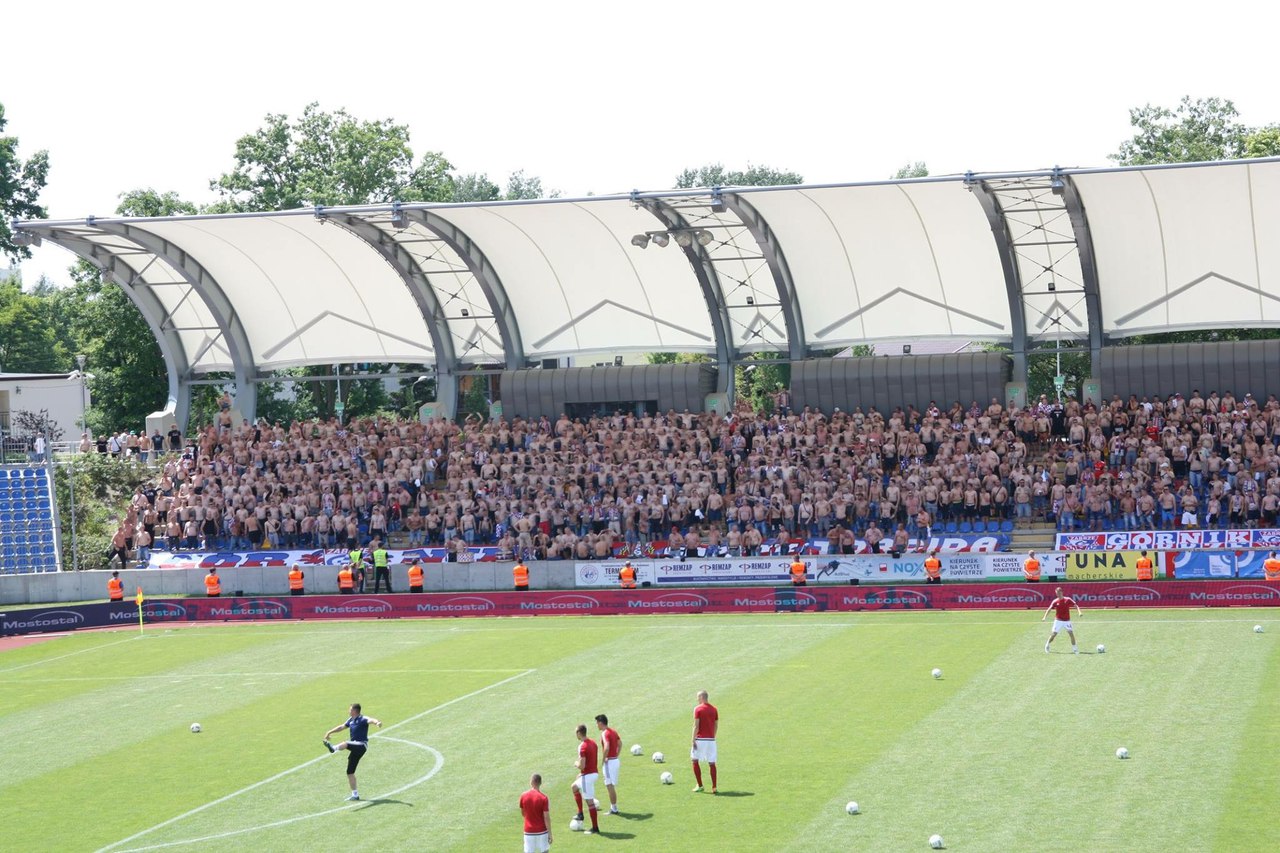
1011, 749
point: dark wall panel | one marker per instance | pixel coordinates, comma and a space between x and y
887, 383
534, 393
1163, 369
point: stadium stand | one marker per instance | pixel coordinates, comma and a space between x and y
28, 521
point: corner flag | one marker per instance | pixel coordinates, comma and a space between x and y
139, 599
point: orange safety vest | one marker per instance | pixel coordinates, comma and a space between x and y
212, 585
933, 567
345, 578
295, 579
1031, 570
1144, 568
627, 577
521, 574
115, 589
415, 576
797, 573
1272, 569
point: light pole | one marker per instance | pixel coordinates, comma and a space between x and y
80, 360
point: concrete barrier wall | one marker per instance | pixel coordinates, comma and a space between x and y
269, 580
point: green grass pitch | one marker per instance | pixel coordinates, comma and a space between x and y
1011, 750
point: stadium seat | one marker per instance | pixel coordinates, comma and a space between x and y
1006, 526
950, 527
965, 527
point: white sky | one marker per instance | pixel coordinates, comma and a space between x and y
607, 96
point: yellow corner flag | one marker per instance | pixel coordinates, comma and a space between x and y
139, 599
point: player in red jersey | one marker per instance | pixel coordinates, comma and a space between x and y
536, 809
610, 748
706, 721
588, 772
1061, 607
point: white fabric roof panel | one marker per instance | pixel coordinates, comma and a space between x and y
889, 262
1189, 248
306, 292
579, 286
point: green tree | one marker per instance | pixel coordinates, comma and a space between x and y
149, 202
918, 169
520, 185
28, 341
1194, 131
330, 159
20, 186
1263, 142
475, 187
678, 358
715, 175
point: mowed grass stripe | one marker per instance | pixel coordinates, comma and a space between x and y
1027, 748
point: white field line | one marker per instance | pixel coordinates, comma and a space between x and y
67, 655
286, 821
306, 764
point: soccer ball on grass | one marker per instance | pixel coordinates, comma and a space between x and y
1102, 650
666, 778
851, 807
935, 841
636, 750
1122, 753
575, 825
658, 758
937, 673
1257, 629
195, 728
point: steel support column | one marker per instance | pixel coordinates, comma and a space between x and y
709, 282
1012, 277
797, 347
1088, 268
214, 298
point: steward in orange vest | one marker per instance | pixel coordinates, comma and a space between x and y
797, 573
346, 580
1271, 568
295, 580
1146, 572
933, 569
115, 587
212, 584
415, 577
1031, 568
627, 576
521, 575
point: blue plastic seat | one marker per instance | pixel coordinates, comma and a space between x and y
965, 527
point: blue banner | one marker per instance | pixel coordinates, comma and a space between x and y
1201, 564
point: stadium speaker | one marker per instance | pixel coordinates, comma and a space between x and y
853, 581
646, 584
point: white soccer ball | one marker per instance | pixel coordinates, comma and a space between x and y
1122, 753
666, 778
851, 807
636, 750
935, 841
575, 825
1102, 650
195, 728
937, 673
658, 758
1257, 629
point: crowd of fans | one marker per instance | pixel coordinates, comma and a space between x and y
564, 489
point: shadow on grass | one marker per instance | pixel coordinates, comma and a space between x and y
735, 794
620, 836
634, 815
368, 804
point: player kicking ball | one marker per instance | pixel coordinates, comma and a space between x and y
1061, 607
356, 745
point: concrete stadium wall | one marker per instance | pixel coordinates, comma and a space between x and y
888, 382
1165, 369
270, 580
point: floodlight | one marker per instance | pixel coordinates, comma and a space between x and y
684, 239
704, 238
640, 241
661, 239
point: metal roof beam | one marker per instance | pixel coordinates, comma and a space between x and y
1005, 248
1088, 269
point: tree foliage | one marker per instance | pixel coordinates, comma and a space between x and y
20, 186
150, 202
29, 342
715, 175
918, 169
1194, 131
329, 158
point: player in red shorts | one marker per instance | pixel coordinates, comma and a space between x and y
706, 721
588, 772
610, 748
536, 809
1061, 607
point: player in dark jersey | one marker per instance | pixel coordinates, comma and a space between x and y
356, 744
1061, 607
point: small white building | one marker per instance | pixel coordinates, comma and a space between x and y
62, 395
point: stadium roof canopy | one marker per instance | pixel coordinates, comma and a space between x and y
1023, 258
